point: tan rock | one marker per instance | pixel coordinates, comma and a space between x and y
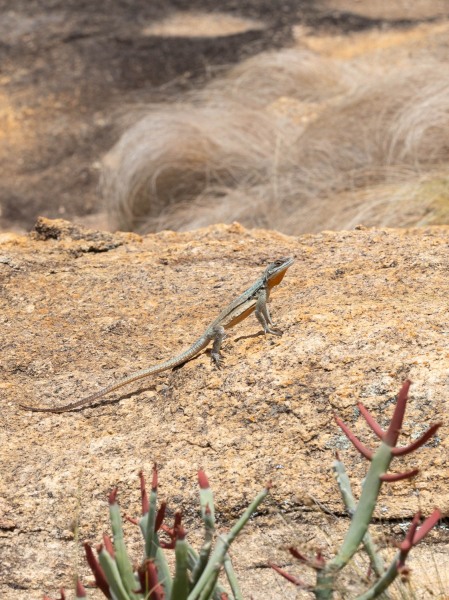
361, 311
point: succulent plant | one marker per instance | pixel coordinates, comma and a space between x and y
361, 514
196, 573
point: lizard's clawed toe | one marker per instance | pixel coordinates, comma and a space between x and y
217, 360
274, 331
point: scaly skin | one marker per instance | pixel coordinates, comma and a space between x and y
254, 299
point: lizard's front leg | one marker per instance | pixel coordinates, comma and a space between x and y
262, 313
218, 337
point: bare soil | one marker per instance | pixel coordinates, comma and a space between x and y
360, 311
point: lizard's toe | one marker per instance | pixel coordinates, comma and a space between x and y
217, 360
273, 331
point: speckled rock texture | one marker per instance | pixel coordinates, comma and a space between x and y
361, 311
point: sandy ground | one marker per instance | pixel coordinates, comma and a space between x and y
361, 311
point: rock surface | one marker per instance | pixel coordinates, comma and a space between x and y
361, 311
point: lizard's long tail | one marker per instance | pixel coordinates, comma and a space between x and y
180, 359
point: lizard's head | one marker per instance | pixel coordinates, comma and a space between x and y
276, 270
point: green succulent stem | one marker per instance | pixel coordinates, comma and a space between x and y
208, 516
204, 587
232, 578
344, 485
112, 573
181, 581
121, 555
359, 522
151, 543
365, 508
384, 582
205, 550
412, 538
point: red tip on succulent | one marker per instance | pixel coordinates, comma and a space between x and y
374, 425
154, 480
95, 567
160, 516
131, 520
407, 544
177, 519
417, 443
299, 555
108, 545
167, 545
320, 560
315, 563
112, 498
177, 524
149, 581
394, 429
295, 580
143, 494
392, 477
80, 591
171, 532
415, 535
428, 524
203, 482
389, 437
364, 451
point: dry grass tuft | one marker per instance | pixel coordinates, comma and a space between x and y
291, 141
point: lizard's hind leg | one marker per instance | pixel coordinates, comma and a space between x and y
219, 336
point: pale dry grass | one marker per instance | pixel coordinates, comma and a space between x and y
294, 141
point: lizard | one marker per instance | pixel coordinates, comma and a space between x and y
254, 299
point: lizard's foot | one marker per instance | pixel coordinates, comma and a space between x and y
273, 330
218, 336
217, 359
